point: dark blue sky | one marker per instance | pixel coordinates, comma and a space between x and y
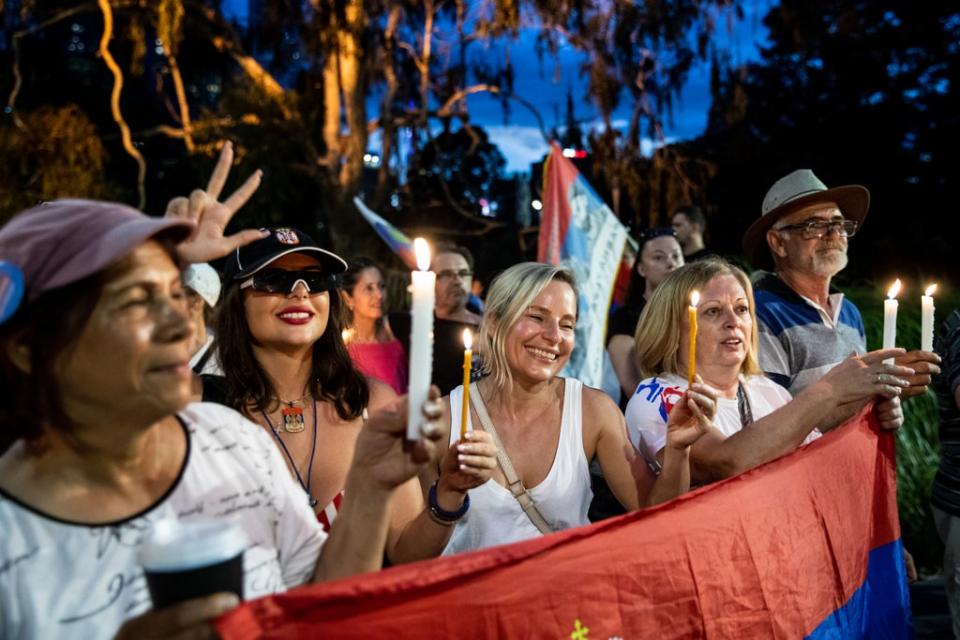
519, 138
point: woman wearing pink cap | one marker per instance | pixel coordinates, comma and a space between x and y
101, 444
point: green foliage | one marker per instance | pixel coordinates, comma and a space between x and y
918, 446
56, 154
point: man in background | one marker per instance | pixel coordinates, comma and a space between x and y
202, 285
690, 225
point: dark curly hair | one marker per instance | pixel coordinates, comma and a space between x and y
247, 387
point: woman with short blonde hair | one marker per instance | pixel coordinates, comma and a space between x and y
551, 427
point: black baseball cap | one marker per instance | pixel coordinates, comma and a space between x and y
246, 261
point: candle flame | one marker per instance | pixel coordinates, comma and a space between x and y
930, 290
345, 334
422, 250
694, 298
467, 339
894, 289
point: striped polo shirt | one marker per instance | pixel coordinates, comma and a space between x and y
946, 484
799, 340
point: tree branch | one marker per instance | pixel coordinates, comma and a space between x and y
115, 100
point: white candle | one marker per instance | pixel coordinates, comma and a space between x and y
421, 338
926, 318
890, 319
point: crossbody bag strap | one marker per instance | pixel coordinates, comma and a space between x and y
514, 483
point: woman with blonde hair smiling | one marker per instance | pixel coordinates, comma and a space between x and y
550, 427
726, 360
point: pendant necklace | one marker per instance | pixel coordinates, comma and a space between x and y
313, 449
292, 415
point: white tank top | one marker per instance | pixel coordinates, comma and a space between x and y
563, 497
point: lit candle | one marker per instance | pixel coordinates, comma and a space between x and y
926, 318
421, 338
692, 315
467, 359
890, 319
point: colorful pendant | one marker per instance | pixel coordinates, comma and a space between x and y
293, 419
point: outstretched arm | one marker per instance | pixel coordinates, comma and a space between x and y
855, 380
380, 465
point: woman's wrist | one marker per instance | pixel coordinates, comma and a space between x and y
449, 497
442, 515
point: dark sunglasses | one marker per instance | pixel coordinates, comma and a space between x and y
283, 281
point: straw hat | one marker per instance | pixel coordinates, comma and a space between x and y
792, 192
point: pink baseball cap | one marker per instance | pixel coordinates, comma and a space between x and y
61, 242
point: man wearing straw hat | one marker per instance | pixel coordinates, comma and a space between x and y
806, 327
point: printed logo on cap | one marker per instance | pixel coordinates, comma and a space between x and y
11, 289
287, 236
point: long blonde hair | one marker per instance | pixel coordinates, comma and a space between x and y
510, 294
657, 338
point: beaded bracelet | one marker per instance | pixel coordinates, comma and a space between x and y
440, 515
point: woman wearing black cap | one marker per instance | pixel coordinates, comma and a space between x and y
94, 392
287, 368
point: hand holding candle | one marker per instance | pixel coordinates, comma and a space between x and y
692, 315
467, 362
890, 319
421, 338
926, 318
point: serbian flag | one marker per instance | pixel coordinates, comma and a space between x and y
579, 231
807, 546
397, 240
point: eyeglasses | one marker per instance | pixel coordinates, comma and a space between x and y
450, 273
283, 281
816, 228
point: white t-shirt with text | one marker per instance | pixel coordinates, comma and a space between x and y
655, 397
68, 580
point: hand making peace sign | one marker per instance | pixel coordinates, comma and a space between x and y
211, 216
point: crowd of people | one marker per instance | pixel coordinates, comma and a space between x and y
137, 385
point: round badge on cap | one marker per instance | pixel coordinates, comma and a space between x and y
11, 289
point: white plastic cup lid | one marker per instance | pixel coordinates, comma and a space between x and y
177, 546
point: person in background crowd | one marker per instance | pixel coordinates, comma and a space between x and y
690, 225
94, 393
945, 499
286, 368
375, 351
453, 265
659, 253
756, 420
202, 286
550, 427
475, 301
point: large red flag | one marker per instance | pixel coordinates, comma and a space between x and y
806, 546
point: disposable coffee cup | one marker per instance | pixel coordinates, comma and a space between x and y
186, 560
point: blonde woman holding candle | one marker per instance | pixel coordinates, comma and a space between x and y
726, 361
550, 427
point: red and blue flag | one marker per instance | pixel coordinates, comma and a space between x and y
807, 546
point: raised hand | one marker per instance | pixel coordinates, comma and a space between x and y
468, 463
381, 455
692, 416
925, 365
211, 216
859, 378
